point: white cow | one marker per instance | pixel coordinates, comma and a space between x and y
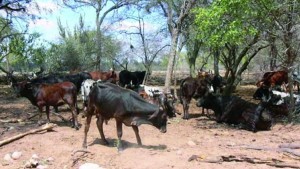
86, 87
150, 90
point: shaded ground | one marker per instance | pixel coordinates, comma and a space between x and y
186, 144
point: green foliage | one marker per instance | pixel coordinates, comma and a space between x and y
77, 50
226, 21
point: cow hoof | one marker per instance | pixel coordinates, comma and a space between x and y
104, 142
185, 118
120, 149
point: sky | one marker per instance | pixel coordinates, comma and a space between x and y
50, 12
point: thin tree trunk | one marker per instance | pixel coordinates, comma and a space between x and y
171, 62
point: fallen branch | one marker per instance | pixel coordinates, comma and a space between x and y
80, 151
286, 150
283, 165
76, 159
46, 127
291, 145
271, 162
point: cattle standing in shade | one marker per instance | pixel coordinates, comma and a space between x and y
107, 101
193, 88
131, 79
42, 95
234, 110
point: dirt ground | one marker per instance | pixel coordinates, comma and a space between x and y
195, 143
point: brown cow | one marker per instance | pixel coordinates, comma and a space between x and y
110, 76
41, 95
193, 88
272, 79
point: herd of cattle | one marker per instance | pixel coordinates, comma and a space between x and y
123, 97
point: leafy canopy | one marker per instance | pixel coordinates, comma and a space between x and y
227, 21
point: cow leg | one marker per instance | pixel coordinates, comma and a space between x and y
136, 131
40, 116
86, 130
73, 106
119, 133
56, 109
74, 117
47, 113
100, 121
185, 109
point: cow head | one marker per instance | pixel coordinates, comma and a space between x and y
167, 101
261, 92
159, 120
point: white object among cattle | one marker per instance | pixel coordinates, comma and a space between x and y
149, 90
283, 95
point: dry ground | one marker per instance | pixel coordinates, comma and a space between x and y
195, 143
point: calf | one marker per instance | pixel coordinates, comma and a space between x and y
193, 88
42, 95
108, 100
234, 110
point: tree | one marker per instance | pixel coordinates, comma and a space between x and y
102, 9
12, 12
149, 46
232, 28
77, 49
176, 12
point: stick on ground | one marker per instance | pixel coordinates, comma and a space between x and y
46, 127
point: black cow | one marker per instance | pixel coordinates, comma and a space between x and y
77, 79
108, 100
193, 88
42, 95
277, 102
131, 79
217, 83
234, 110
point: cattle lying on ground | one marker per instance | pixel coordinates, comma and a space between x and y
110, 76
76, 79
193, 88
107, 100
131, 79
277, 102
234, 110
46, 95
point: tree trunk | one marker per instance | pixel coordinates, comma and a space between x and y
171, 62
98, 42
216, 61
273, 53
